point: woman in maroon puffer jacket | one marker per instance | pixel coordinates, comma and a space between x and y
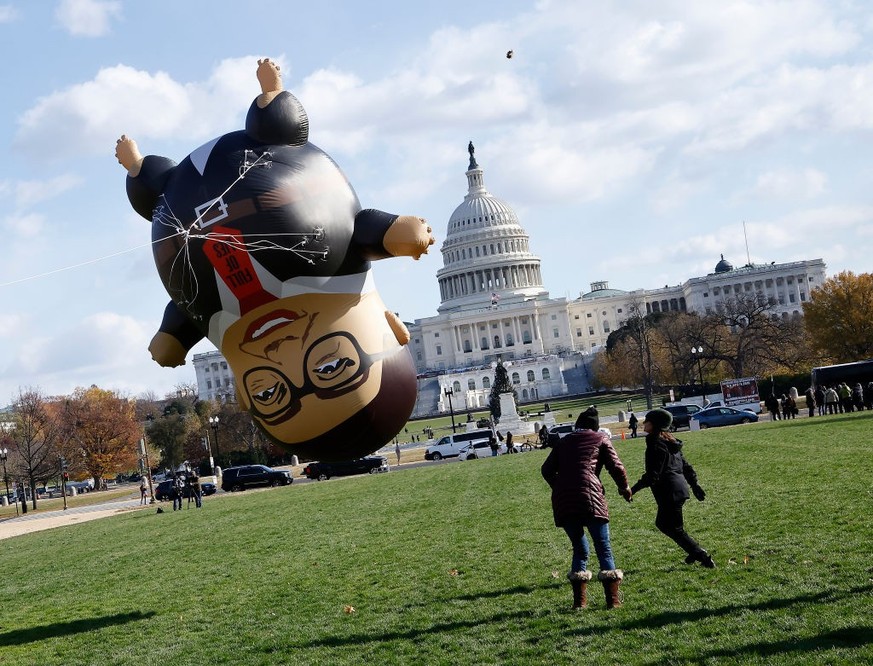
579, 502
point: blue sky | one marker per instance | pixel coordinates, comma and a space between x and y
633, 139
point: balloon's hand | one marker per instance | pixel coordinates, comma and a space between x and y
167, 350
408, 236
401, 333
270, 79
128, 155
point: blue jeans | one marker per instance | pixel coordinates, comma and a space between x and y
599, 530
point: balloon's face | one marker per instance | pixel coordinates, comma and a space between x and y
307, 363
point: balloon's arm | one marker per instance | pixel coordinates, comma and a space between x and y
379, 235
174, 339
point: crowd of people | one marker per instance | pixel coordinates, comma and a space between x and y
837, 399
572, 470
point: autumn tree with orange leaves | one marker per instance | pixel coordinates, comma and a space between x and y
103, 426
839, 317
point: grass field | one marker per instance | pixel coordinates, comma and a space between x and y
460, 563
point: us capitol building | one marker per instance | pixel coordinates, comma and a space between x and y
493, 305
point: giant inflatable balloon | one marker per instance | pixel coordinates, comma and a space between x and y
263, 248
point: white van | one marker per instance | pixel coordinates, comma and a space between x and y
450, 445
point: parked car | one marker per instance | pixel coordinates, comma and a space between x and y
451, 445
249, 476
712, 417
81, 486
558, 432
479, 450
324, 470
682, 415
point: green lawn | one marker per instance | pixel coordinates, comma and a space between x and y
460, 563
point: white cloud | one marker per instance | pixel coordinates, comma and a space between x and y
791, 184
89, 117
8, 14
24, 226
31, 192
87, 18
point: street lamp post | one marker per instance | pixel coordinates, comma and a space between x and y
449, 393
208, 447
4, 456
213, 423
697, 352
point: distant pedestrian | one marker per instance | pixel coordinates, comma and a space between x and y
579, 503
195, 491
845, 394
832, 400
810, 401
633, 421
786, 407
544, 436
669, 476
772, 404
820, 400
177, 492
510, 447
495, 447
143, 491
858, 397
397, 451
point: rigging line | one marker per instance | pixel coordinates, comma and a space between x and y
80, 264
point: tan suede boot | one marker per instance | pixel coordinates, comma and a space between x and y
579, 582
611, 580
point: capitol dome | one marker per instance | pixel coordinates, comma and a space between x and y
486, 252
724, 266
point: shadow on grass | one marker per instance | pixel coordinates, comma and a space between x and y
846, 638
494, 594
675, 617
22, 636
410, 634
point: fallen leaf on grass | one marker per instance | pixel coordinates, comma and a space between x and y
348, 609
454, 572
732, 561
555, 574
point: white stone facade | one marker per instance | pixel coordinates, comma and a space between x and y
495, 306
214, 378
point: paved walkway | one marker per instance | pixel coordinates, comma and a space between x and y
34, 522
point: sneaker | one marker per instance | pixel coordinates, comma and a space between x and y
706, 560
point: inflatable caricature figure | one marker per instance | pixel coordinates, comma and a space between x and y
263, 247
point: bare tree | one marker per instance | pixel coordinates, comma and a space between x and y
35, 434
744, 333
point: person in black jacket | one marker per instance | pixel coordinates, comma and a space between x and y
669, 475
572, 471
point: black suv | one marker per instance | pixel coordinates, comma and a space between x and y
248, 476
682, 415
324, 470
164, 490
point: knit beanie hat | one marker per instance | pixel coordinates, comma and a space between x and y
588, 420
660, 418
